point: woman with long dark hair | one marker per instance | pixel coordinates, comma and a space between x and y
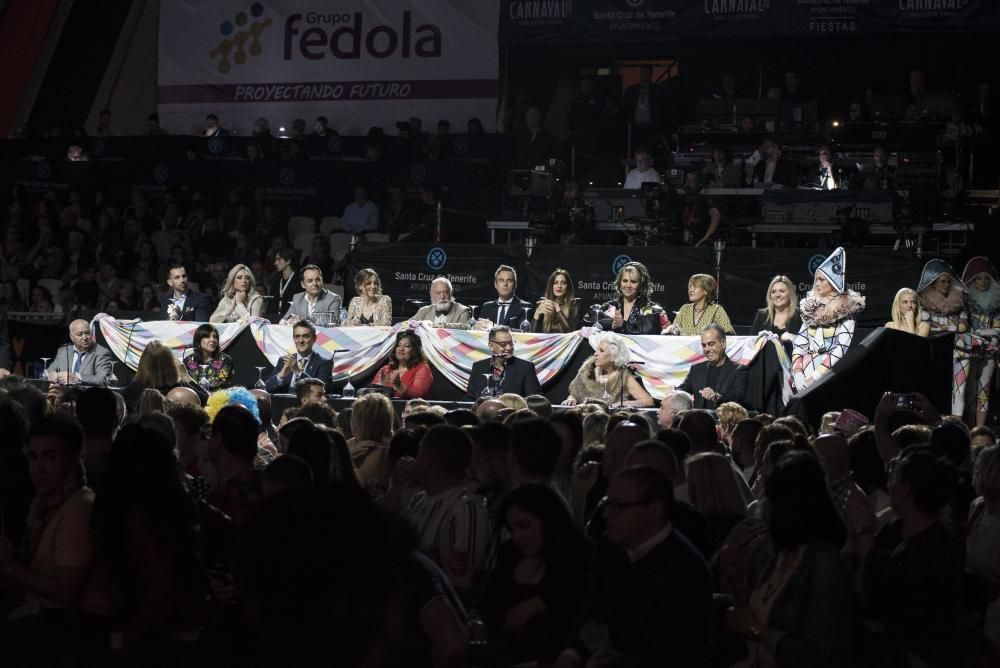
540, 576
800, 613
207, 359
145, 523
407, 372
558, 310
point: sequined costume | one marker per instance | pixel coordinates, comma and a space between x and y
947, 313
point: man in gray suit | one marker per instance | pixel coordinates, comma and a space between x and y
82, 360
316, 303
443, 311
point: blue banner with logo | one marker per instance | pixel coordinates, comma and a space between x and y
572, 21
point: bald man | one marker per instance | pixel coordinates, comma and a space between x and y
81, 360
184, 395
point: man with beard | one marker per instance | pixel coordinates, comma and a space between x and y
443, 311
700, 218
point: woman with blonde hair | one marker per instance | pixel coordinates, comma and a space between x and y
370, 308
701, 309
730, 413
634, 311
559, 310
781, 315
604, 376
713, 491
515, 402
372, 421
904, 311
239, 299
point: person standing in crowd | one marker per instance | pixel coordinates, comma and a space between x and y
502, 372
316, 302
983, 297
240, 300
81, 361
558, 310
453, 525
305, 362
407, 371
718, 379
182, 303
361, 215
942, 309
650, 591
701, 309
68, 609
781, 315
634, 311
208, 361
603, 374
828, 321
800, 612
904, 311
507, 309
540, 575
282, 284
443, 311
370, 307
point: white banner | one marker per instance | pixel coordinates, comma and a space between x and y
360, 64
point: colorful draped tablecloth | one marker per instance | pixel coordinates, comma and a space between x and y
665, 360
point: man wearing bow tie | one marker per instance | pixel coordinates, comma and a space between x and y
507, 309
303, 363
82, 360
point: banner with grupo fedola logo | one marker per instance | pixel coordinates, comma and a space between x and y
359, 64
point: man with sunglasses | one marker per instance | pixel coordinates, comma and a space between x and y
501, 372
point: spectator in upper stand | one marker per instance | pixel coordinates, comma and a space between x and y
55, 570
774, 171
104, 128
650, 593
585, 118
641, 105
793, 88
261, 128
319, 255
231, 450
727, 90
535, 145
321, 128
452, 524
643, 171
182, 303
700, 218
212, 127
153, 125
474, 126
283, 284
507, 309
722, 172
361, 215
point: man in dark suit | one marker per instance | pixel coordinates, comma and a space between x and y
507, 309
774, 171
650, 591
718, 379
303, 363
181, 303
506, 373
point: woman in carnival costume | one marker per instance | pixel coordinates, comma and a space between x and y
828, 321
983, 300
942, 309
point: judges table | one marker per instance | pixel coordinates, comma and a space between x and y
358, 353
